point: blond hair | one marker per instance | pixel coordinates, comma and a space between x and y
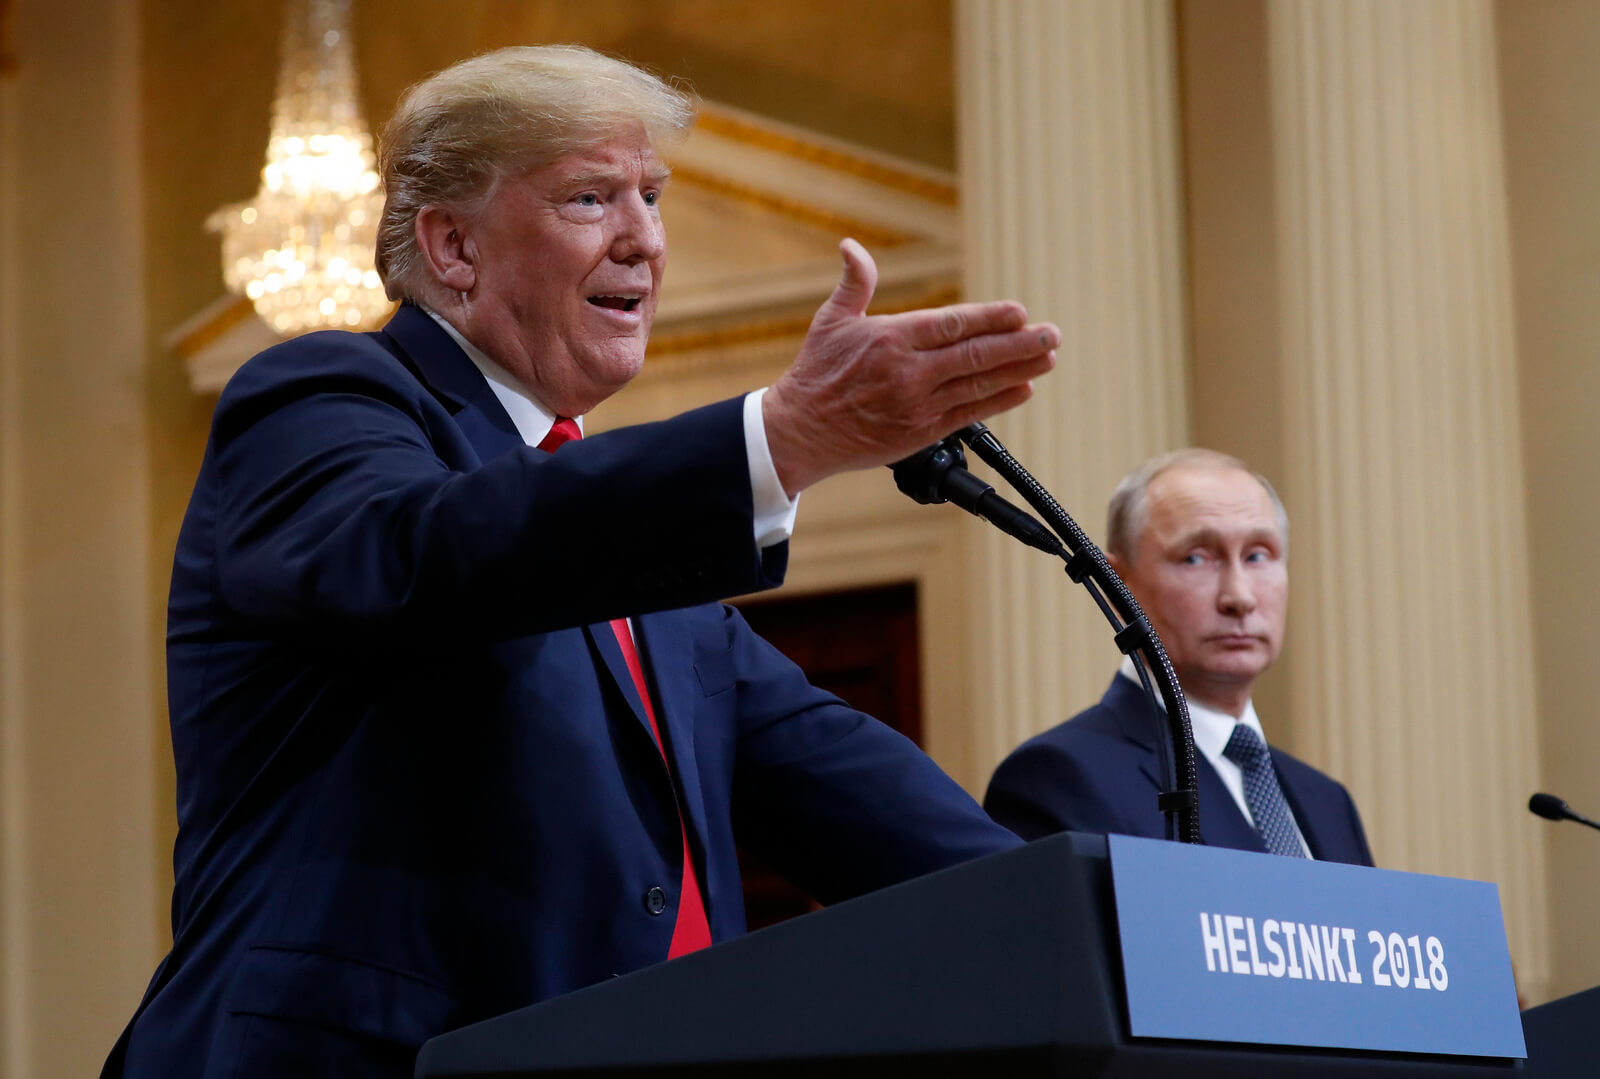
457, 133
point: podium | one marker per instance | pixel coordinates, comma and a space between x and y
1564, 1037
1004, 966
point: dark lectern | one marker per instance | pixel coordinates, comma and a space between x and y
1564, 1037
1004, 966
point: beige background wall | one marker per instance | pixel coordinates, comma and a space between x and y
134, 121
1551, 99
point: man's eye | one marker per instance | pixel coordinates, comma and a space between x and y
588, 198
1193, 559
652, 197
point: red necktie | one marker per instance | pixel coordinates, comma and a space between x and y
565, 430
691, 931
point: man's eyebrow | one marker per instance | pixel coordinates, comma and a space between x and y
1205, 535
656, 176
1209, 536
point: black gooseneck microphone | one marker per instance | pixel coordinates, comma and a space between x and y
1550, 807
939, 474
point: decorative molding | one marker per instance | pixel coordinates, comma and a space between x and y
800, 281
846, 225
213, 323
828, 175
743, 332
215, 341
879, 169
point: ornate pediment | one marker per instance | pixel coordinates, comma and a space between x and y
755, 213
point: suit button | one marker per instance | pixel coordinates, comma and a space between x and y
655, 901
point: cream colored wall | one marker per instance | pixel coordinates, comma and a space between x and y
79, 877
1551, 106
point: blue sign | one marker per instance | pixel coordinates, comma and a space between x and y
1226, 945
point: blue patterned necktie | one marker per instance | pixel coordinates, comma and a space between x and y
1262, 793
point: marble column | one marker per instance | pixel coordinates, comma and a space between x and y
1410, 628
1071, 199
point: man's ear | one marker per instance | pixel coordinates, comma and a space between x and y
442, 238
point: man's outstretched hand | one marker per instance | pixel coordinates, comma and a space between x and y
868, 391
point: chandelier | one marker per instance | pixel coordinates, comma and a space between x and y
302, 249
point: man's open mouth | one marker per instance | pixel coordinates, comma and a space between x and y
616, 303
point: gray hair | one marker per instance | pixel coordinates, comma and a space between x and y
457, 133
1129, 510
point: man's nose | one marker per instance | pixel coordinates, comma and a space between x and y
639, 236
1234, 594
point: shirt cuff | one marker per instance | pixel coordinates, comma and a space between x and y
771, 507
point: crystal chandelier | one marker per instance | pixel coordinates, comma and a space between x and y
302, 249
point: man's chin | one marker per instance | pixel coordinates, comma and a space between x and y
592, 379
617, 365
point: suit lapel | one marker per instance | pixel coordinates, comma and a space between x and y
614, 666
1140, 724
669, 668
1221, 823
439, 363
667, 654
1308, 811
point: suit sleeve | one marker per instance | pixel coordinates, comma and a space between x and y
1363, 855
1043, 788
346, 500
833, 799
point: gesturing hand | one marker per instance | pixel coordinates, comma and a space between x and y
866, 391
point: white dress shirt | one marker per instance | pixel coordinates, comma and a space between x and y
1212, 729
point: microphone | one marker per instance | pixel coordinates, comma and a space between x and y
1550, 807
939, 474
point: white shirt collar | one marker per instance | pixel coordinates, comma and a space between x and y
532, 420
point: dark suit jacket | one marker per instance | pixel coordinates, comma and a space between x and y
415, 784
1100, 772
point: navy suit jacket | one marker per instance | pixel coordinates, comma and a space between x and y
1100, 772
416, 787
